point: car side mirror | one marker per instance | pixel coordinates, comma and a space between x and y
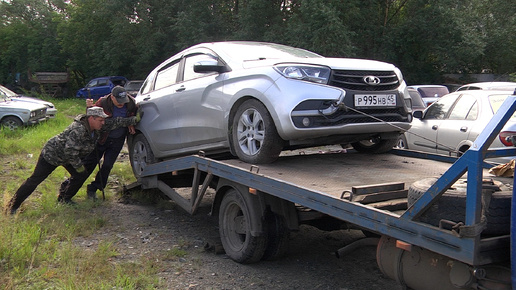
207, 66
418, 114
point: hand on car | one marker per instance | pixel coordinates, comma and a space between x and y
89, 103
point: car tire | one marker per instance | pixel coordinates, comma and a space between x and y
140, 154
402, 142
12, 123
375, 145
235, 230
451, 205
254, 136
278, 236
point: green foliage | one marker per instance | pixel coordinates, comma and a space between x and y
90, 38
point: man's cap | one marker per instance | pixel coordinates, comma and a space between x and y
96, 111
120, 94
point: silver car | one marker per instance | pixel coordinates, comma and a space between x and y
51, 109
256, 99
450, 125
17, 114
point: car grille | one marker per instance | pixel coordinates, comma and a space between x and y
350, 117
354, 80
41, 113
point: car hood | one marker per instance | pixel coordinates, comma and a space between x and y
333, 63
9, 103
20, 98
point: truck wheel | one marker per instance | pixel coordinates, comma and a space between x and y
235, 230
374, 145
254, 136
140, 154
277, 237
11, 123
452, 205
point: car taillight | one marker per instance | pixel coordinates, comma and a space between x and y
507, 138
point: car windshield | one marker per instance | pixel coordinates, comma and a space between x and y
262, 51
432, 92
133, 86
7, 93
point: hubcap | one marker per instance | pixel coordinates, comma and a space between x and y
250, 132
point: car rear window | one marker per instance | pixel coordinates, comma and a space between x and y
433, 92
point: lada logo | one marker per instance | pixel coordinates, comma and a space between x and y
371, 80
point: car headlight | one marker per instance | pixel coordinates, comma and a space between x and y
32, 114
311, 73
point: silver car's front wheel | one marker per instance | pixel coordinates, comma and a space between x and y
255, 139
12, 123
140, 154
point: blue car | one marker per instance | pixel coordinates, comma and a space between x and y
100, 87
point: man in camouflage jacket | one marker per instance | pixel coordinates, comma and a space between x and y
67, 149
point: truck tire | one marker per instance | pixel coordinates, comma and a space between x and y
12, 123
278, 236
375, 145
140, 154
235, 230
254, 136
452, 206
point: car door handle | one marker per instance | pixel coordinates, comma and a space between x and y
181, 89
146, 98
434, 127
464, 129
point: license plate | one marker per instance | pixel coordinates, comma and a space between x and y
375, 100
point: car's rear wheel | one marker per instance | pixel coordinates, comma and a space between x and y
12, 123
402, 142
375, 145
140, 154
254, 135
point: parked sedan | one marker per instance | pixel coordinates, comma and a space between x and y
451, 125
430, 93
15, 114
500, 86
256, 99
99, 87
51, 109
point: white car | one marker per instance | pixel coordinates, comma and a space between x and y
430, 93
255, 99
450, 125
6, 93
15, 114
500, 86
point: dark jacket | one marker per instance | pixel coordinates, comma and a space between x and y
107, 104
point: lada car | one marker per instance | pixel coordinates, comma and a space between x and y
51, 109
15, 114
255, 99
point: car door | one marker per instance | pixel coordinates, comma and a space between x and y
422, 135
455, 131
200, 105
160, 123
98, 89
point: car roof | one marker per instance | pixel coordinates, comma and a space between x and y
489, 86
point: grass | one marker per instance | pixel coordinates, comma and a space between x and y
36, 245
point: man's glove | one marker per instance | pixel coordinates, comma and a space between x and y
138, 116
81, 169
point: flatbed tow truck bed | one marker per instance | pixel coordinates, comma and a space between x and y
256, 205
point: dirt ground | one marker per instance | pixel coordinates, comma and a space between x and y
143, 232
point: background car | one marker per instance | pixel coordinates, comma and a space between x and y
451, 125
15, 114
132, 87
418, 104
256, 99
51, 109
430, 93
100, 87
503, 86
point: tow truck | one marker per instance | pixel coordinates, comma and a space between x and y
388, 196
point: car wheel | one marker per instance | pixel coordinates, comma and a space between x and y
375, 145
254, 135
451, 205
402, 142
140, 154
12, 123
235, 230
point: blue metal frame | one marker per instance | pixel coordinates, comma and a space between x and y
471, 250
